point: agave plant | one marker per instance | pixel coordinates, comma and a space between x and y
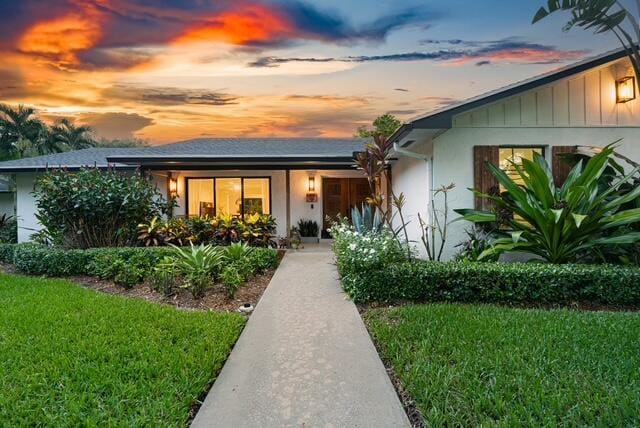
367, 220
237, 251
199, 264
560, 224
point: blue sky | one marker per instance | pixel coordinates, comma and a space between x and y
169, 70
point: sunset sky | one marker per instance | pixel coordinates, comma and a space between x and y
169, 70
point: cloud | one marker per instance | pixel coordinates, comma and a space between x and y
115, 125
167, 96
401, 89
508, 50
78, 34
484, 62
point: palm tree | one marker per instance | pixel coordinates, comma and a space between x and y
602, 16
21, 133
66, 134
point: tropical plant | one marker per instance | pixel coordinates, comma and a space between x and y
478, 240
236, 251
94, 208
176, 232
308, 228
151, 233
602, 16
435, 229
65, 133
199, 265
560, 224
367, 219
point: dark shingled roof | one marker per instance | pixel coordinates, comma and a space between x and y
203, 151
72, 160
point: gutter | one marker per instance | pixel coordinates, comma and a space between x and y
404, 152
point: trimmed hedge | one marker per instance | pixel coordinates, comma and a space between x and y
495, 283
6, 253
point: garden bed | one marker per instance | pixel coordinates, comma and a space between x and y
471, 365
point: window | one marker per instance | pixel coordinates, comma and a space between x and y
507, 155
228, 195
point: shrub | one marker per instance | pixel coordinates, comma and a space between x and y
34, 259
237, 251
263, 259
8, 229
232, 278
93, 208
496, 283
6, 252
164, 276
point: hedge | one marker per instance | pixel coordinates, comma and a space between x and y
34, 259
474, 282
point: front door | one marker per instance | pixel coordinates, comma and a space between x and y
340, 195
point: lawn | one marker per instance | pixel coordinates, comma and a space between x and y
71, 356
468, 365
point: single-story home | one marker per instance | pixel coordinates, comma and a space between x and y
289, 178
591, 103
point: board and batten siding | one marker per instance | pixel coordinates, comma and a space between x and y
585, 100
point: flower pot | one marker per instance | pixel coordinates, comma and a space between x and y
310, 239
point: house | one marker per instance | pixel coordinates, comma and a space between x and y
289, 178
591, 103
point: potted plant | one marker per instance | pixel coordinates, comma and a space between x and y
294, 238
308, 231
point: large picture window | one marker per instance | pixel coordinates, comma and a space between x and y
228, 195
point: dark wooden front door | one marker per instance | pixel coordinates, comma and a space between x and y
340, 195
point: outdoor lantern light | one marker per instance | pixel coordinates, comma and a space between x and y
625, 89
173, 187
312, 196
312, 183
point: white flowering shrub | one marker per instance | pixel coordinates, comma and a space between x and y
360, 253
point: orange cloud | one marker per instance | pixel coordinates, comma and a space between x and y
250, 24
61, 39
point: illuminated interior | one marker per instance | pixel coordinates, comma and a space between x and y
234, 195
515, 154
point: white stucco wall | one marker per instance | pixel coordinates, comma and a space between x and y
26, 206
580, 110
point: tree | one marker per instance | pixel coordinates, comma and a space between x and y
65, 133
21, 133
384, 125
603, 16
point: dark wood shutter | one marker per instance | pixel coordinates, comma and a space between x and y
483, 180
560, 167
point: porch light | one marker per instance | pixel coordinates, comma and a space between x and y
173, 187
625, 89
312, 184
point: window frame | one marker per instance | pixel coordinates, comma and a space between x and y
215, 205
543, 149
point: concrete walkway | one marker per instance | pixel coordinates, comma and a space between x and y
304, 359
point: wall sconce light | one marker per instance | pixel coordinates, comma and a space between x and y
312, 196
173, 187
625, 89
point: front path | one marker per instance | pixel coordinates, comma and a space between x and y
304, 359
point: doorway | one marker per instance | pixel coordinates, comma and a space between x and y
339, 196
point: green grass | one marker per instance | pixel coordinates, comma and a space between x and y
71, 356
484, 365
